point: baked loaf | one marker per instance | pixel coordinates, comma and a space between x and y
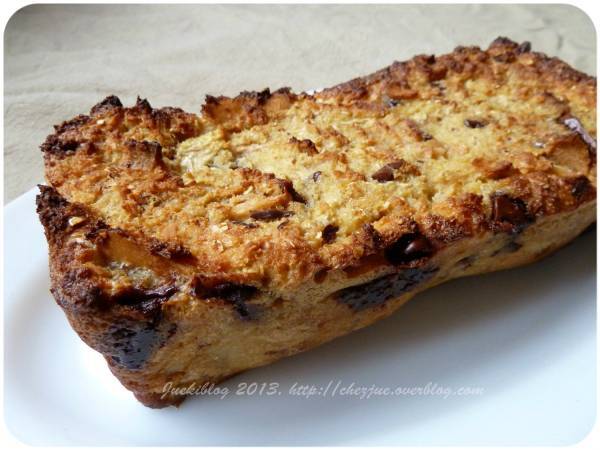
187, 248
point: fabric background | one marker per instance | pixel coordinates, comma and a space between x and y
62, 59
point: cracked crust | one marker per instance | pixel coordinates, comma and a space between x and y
271, 209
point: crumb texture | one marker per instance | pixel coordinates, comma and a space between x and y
269, 188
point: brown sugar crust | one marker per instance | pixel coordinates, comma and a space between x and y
149, 211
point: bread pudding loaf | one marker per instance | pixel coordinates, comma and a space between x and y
187, 248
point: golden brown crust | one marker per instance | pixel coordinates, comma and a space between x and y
151, 210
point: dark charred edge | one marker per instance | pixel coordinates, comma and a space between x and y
143, 105
549, 65
234, 294
509, 214
51, 209
72, 124
503, 41
60, 146
288, 187
502, 50
73, 286
329, 233
110, 102
573, 124
381, 290
75, 290
258, 98
270, 214
127, 327
56, 146
305, 146
54, 212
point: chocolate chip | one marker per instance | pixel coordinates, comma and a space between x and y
130, 344
580, 187
513, 246
410, 247
305, 146
573, 124
329, 233
321, 275
288, 187
316, 176
472, 123
381, 290
386, 173
270, 214
173, 251
419, 133
466, 262
235, 294
510, 247
524, 47
147, 301
509, 213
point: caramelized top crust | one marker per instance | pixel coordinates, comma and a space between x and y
270, 189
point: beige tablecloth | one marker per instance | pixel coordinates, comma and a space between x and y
60, 60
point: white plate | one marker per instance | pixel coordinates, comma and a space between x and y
526, 336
